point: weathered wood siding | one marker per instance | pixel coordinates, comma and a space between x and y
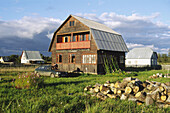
68, 29
65, 65
109, 55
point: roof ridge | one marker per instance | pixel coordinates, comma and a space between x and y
95, 25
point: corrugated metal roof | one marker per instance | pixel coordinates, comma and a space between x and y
33, 55
109, 41
140, 53
95, 25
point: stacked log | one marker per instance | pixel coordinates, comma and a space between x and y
159, 75
132, 89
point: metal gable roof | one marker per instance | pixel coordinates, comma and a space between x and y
109, 41
95, 25
33, 55
140, 53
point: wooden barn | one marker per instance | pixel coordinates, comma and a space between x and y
82, 44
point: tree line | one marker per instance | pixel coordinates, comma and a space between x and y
164, 58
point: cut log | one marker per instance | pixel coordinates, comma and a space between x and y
136, 89
163, 105
133, 81
123, 84
145, 84
128, 90
103, 88
140, 96
101, 96
149, 87
161, 88
112, 85
87, 88
165, 86
119, 92
112, 96
92, 90
168, 99
132, 98
130, 84
115, 91
106, 84
149, 100
127, 79
117, 84
96, 89
163, 97
139, 103
123, 97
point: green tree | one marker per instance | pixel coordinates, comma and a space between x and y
159, 58
165, 58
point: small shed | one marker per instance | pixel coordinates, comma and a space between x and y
140, 57
31, 57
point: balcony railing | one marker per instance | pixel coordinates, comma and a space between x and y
73, 45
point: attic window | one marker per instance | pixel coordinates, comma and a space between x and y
72, 23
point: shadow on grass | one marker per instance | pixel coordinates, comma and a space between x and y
65, 83
147, 68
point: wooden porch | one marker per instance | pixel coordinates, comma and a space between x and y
73, 45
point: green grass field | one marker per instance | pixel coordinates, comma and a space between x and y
66, 95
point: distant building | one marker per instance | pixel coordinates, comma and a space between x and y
141, 57
5, 60
82, 44
31, 57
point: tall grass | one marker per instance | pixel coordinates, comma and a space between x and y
66, 95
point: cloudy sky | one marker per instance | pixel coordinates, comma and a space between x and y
29, 24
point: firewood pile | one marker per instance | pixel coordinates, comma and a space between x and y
159, 75
132, 89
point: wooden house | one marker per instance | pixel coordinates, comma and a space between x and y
141, 57
82, 44
31, 57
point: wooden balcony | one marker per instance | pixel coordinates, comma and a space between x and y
73, 45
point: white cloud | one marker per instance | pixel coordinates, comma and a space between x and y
137, 30
27, 27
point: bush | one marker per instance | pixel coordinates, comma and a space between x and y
27, 80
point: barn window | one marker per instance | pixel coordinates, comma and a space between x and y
59, 58
122, 59
74, 38
89, 59
65, 39
80, 37
89, 37
72, 58
72, 23
84, 37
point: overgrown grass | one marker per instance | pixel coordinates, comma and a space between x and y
66, 95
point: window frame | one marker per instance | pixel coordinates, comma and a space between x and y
91, 61
70, 58
71, 23
58, 58
122, 61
